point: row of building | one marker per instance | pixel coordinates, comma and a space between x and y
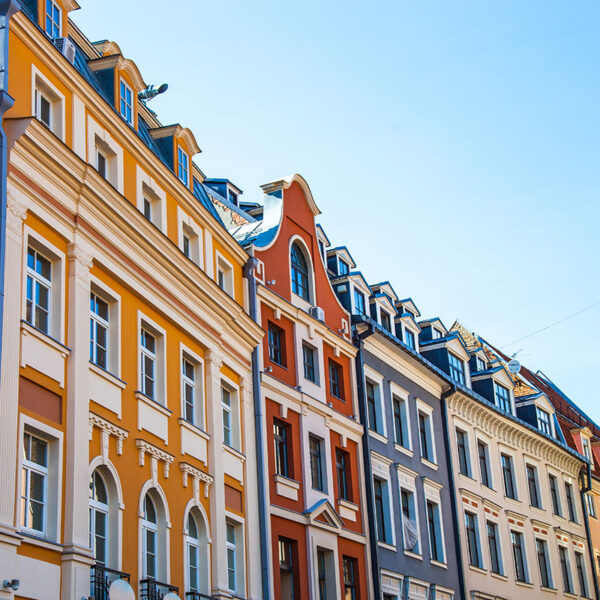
203, 398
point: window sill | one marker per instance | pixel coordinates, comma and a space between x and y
466, 477
387, 546
413, 555
287, 488
499, 576
378, 436
437, 563
548, 589
347, 510
36, 540
193, 428
107, 375
429, 464
28, 329
512, 500
234, 452
525, 584
153, 403
404, 450
477, 569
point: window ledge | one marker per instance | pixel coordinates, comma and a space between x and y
466, 477
108, 376
499, 576
286, 481
525, 584
378, 436
153, 403
413, 555
28, 329
429, 464
539, 509
234, 452
36, 540
387, 546
478, 569
347, 510
512, 500
407, 451
437, 563
193, 428
547, 589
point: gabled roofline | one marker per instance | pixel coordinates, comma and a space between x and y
286, 182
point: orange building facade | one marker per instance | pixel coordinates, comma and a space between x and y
126, 420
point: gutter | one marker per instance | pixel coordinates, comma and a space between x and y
263, 518
455, 517
358, 339
585, 488
7, 9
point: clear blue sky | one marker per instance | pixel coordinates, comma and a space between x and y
453, 146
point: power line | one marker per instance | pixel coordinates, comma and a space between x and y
552, 324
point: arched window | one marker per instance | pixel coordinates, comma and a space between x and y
193, 554
149, 538
99, 518
299, 272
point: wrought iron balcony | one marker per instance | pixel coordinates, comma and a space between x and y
198, 596
150, 589
101, 580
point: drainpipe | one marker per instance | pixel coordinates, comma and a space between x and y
358, 339
7, 9
249, 268
585, 488
455, 517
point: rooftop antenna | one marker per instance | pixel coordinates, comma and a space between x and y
514, 366
152, 91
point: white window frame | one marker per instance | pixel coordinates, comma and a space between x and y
427, 410
29, 467
113, 300
186, 226
148, 526
160, 377
56, 329
55, 7
100, 507
199, 401
239, 553
123, 101
400, 394
431, 493
41, 86
407, 483
99, 138
53, 496
148, 189
183, 166
234, 411
590, 503
226, 268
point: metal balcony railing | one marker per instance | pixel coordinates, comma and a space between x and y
150, 589
101, 580
198, 596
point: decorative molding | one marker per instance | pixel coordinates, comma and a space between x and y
156, 455
197, 475
82, 260
15, 215
108, 428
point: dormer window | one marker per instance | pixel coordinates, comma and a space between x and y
233, 197
481, 366
183, 171
52, 19
126, 102
344, 267
409, 339
322, 249
587, 449
502, 398
436, 334
359, 302
543, 421
299, 273
386, 322
457, 368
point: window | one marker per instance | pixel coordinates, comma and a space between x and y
231, 545
462, 444
581, 576
494, 547
186, 246
516, 539
554, 494
410, 526
350, 571
481, 366
98, 522
191, 390
543, 421
183, 166
286, 569
101, 163
343, 477
148, 364
299, 272
149, 539
281, 448
39, 290
322, 574
99, 324
401, 434
34, 485
472, 540
359, 303
316, 463
386, 322
436, 547
484, 463
371, 406
381, 510
565, 568
193, 554
503, 398
541, 548
532, 483
436, 334
409, 339
126, 102
571, 503
227, 416
457, 368
591, 505
308, 357
43, 108
53, 16
276, 343
148, 212
426, 437
225, 275
335, 380
508, 476
585, 443
344, 267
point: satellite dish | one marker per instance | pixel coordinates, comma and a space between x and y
514, 366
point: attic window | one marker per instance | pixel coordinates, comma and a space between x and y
481, 366
436, 334
299, 272
183, 166
587, 450
503, 398
52, 19
386, 321
344, 268
126, 102
233, 197
543, 421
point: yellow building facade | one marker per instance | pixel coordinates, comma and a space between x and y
126, 419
